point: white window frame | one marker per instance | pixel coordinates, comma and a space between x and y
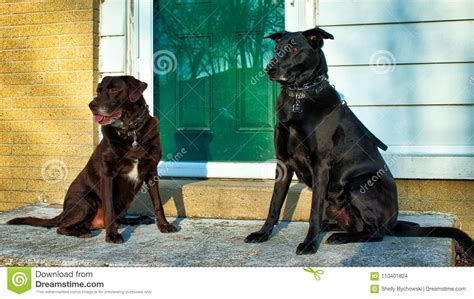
441, 163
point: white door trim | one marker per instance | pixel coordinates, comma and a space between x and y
144, 36
300, 14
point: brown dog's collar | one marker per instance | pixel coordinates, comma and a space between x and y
132, 128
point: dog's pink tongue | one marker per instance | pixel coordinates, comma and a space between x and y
98, 118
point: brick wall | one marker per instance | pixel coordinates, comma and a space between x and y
48, 70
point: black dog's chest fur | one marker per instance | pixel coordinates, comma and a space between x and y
307, 132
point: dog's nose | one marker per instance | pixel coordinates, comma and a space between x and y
92, 105
271, 71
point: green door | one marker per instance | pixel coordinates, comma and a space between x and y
214, 101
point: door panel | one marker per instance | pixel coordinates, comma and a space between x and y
215, 100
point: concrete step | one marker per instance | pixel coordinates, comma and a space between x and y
211, 242
226, 199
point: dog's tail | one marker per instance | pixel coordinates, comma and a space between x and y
410, 229
34, 221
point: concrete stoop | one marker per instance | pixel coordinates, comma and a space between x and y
211, 242
224, 199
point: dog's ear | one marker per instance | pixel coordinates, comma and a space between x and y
103, 81
316, 36
277, 35
135, 88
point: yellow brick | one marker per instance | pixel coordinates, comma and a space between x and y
31, 7
25, 173
54, 42
5, 103
39, 161
47, 18
41, 185
85, 52
42, 54
12, 43
50, 149
5, 172
35, 173
61, 113
82, 64
58, 41
80, 102
60, 78
21, 79
23, 196
5, 149
27, 102
60, 90
50, 138
49, 29
5, 126
51, 126
4, 55
13, 91
5, 32
29, 66
6, 137
12, 184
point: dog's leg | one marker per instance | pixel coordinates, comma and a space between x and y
153, 189
111, 226
73, 218
320, 174
280, 190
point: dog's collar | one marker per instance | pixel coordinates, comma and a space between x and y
132, 128
306, 91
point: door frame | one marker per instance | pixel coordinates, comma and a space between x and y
298, 15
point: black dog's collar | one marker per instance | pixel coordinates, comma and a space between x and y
133, 127
306, 91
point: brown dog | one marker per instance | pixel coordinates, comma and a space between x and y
126, 157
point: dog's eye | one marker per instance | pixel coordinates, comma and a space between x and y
113, 90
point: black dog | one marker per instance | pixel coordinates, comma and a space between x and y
126, 157
322, 141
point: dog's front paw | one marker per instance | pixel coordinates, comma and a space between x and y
257, 237
307, 248
337, 238
115, 238
167, 228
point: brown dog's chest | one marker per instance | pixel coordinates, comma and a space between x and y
132, 170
